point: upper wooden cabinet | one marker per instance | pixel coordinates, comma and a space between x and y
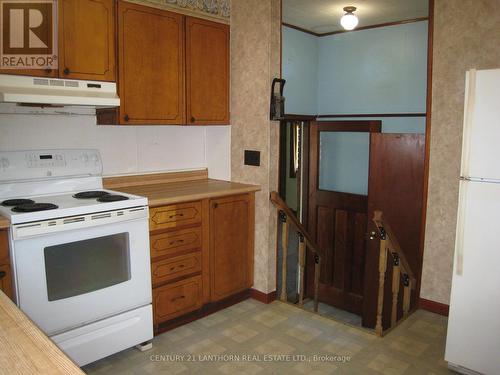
151, 65
87, 39
207, 72
231, 245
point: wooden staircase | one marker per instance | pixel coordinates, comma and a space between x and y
389, 250
401, 272
287, 218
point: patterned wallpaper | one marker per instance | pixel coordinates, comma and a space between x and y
466, 35
255, 61
218, 9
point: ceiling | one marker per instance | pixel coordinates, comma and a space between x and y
323, 16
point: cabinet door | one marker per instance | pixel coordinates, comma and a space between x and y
87, 39
231, 245
151, 69
207, 72
5, 274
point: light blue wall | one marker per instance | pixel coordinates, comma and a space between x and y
381, 70
300, 69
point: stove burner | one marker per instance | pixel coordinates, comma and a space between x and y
16, 202
90, 194
33, 207
112, 198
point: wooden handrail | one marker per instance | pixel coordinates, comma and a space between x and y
281, 205
401, 270
305, 241
378, 219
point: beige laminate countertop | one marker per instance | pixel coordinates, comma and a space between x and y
24, 349
4, 223
185, 191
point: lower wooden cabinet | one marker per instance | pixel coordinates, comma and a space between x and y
231, 245
5, 272
201, 252
173, 300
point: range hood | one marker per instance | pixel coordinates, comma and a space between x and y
53, 91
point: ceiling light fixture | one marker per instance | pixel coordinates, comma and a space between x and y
349, 21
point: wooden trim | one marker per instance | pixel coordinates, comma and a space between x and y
433, 306
371, 126
300, 29
154, 178
374, 115
428, 122
262, 297
295, 117
386, 24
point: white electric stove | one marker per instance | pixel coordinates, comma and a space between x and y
79, 253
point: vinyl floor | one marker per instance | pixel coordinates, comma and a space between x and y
254, 338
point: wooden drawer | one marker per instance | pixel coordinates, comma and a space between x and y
174, 242
6, 280
176, 215
176, 299
175, 267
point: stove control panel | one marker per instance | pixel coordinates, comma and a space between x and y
43, 164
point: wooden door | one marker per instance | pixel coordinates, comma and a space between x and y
395, 188
151, 69
87, 39
207, 72
231, 245
337, 219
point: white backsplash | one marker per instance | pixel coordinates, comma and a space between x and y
124, 149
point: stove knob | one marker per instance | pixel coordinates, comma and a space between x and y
85, 158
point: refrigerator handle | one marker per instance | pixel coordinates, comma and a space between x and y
470, 101
459, 248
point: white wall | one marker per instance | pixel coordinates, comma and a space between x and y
124, 149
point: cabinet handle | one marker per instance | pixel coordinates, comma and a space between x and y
48, 71
126, 118
193, 119
177, 298
176, 241
3, 274
216, 205
66, 71
174, 215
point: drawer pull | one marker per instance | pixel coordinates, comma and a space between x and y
177, 298
176, 241
174, 215
3, 274
179, 266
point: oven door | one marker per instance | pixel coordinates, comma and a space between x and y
82, 270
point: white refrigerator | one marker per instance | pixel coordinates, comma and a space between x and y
473, 341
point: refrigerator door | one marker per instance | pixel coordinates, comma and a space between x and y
481, 134
473, 337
